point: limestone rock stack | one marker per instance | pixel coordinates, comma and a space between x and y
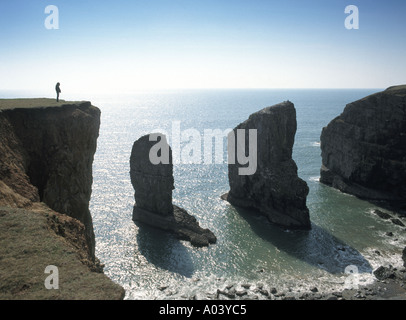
274, 189
153, 184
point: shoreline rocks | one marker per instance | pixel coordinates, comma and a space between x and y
364, 149
389, 284
153, 184
404, 257
275, 189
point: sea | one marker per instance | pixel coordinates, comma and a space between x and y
346, 243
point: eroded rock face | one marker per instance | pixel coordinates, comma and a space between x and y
404, 257
275, 188
364, 149
46, 154
153, 184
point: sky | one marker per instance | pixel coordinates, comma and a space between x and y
124, 46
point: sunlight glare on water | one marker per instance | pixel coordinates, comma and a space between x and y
248, 249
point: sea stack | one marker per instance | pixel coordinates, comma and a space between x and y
364, 149
275, 189
151, 171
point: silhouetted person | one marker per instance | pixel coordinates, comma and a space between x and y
58, 91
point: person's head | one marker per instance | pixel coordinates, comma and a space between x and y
58, 84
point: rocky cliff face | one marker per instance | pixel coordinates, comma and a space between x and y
47, 156
153, 184
275, 188
364, 149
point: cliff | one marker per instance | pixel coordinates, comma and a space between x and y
274, 189
364, 149
46, 156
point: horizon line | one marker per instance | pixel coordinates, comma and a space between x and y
197, 88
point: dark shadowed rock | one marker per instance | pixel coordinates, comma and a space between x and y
382, 214
404, 257
397, 222
153, 185
364, 149
274, 189
383, 273
48, 155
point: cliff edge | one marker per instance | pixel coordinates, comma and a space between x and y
364, 149
46, 156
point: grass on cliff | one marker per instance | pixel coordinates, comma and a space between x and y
28, 246
32, 103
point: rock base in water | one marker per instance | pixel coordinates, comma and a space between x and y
180, 223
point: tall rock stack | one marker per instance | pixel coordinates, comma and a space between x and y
274, 189
364, 149
153, 184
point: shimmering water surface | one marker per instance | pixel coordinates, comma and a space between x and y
249, 249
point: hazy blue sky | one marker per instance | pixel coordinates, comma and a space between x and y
113, 46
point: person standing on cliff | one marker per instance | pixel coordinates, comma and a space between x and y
58, 91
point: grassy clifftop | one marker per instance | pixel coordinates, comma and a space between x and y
33, 238
29, 103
